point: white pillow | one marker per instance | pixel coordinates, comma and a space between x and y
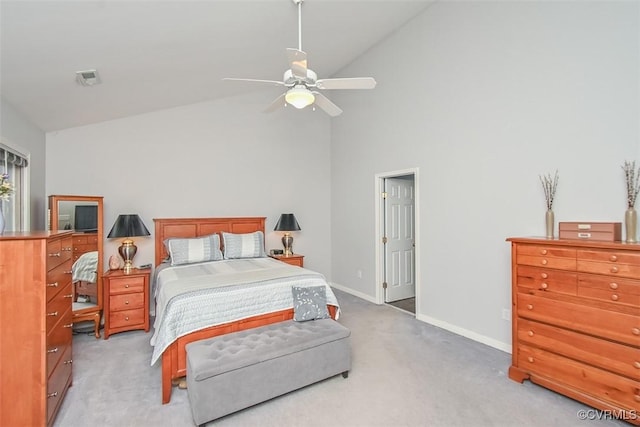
200, 249
249, 245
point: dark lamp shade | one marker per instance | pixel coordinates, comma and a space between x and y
287, 222
128, 226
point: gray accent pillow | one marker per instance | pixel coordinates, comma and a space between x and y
309, 303
199, 249
248, 245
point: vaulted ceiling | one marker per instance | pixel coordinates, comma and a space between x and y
153, 55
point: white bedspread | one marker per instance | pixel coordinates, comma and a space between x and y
197, 296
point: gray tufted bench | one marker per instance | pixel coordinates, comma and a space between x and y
234, 371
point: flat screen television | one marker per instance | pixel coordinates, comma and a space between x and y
86, 218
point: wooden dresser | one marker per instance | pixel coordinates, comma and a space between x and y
576, 321
35, 326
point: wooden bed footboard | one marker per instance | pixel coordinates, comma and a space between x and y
174, 358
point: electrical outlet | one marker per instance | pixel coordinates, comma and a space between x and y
506, 314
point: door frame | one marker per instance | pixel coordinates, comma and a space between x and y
379, 229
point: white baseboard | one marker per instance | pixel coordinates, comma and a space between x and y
507, 348
354, 293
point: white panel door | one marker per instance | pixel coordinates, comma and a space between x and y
400, 234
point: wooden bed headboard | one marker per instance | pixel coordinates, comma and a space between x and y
166, 228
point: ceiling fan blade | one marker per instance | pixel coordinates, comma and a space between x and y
272, 82
279, 102
329, 107
347, 83
297, 62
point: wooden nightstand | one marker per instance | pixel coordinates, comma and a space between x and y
126, 301
295, 259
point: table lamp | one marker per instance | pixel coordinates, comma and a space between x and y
287, 223
128, 226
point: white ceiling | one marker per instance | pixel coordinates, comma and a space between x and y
153, 55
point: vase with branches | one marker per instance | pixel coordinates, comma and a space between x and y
549, 186
632, 181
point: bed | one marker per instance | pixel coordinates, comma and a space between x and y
169, 340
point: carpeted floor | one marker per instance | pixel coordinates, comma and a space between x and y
405, 373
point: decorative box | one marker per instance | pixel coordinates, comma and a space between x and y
605, 231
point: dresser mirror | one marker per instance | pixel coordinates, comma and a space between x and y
82, 215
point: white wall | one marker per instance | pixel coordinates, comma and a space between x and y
17, 131
483, 97
223, 158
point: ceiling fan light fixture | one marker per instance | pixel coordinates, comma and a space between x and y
299, 96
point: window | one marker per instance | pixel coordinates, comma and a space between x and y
16, 211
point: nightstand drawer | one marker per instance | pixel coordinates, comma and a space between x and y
125, 318
126, 301
126, 285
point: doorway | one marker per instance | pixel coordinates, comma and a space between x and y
396, 234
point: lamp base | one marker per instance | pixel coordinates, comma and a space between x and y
127, 251
287, 242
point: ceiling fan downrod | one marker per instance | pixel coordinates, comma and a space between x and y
299, 3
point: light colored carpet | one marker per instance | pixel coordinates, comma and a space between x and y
405, 373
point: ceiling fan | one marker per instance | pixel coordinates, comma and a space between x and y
303, 84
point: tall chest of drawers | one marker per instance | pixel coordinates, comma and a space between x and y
35, 326
576, 321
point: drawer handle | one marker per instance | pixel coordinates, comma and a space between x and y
126, 302
613, 258
544, 286
53, 350
68, 362
54, 394
52, 285
614, 269
68, 296
584, 235
544, 275
126, 318
613, 285
57, 254
53, 313
530, 359
126, 286
530, 333
69, 325
636, 365
68, 272
530, 306
543, 251
544, 262
614, 297
635, 331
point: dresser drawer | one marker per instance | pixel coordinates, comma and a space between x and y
618, 326
618, 358
58, 340
545, 279
87, 239
547, 257
58, 383
596, 382
126, 301
126, 285
57, 279
58, 306
126, 318
614, 269
58, 251
610, 289
619, 257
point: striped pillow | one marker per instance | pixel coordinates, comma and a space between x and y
188, 251
249, 245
